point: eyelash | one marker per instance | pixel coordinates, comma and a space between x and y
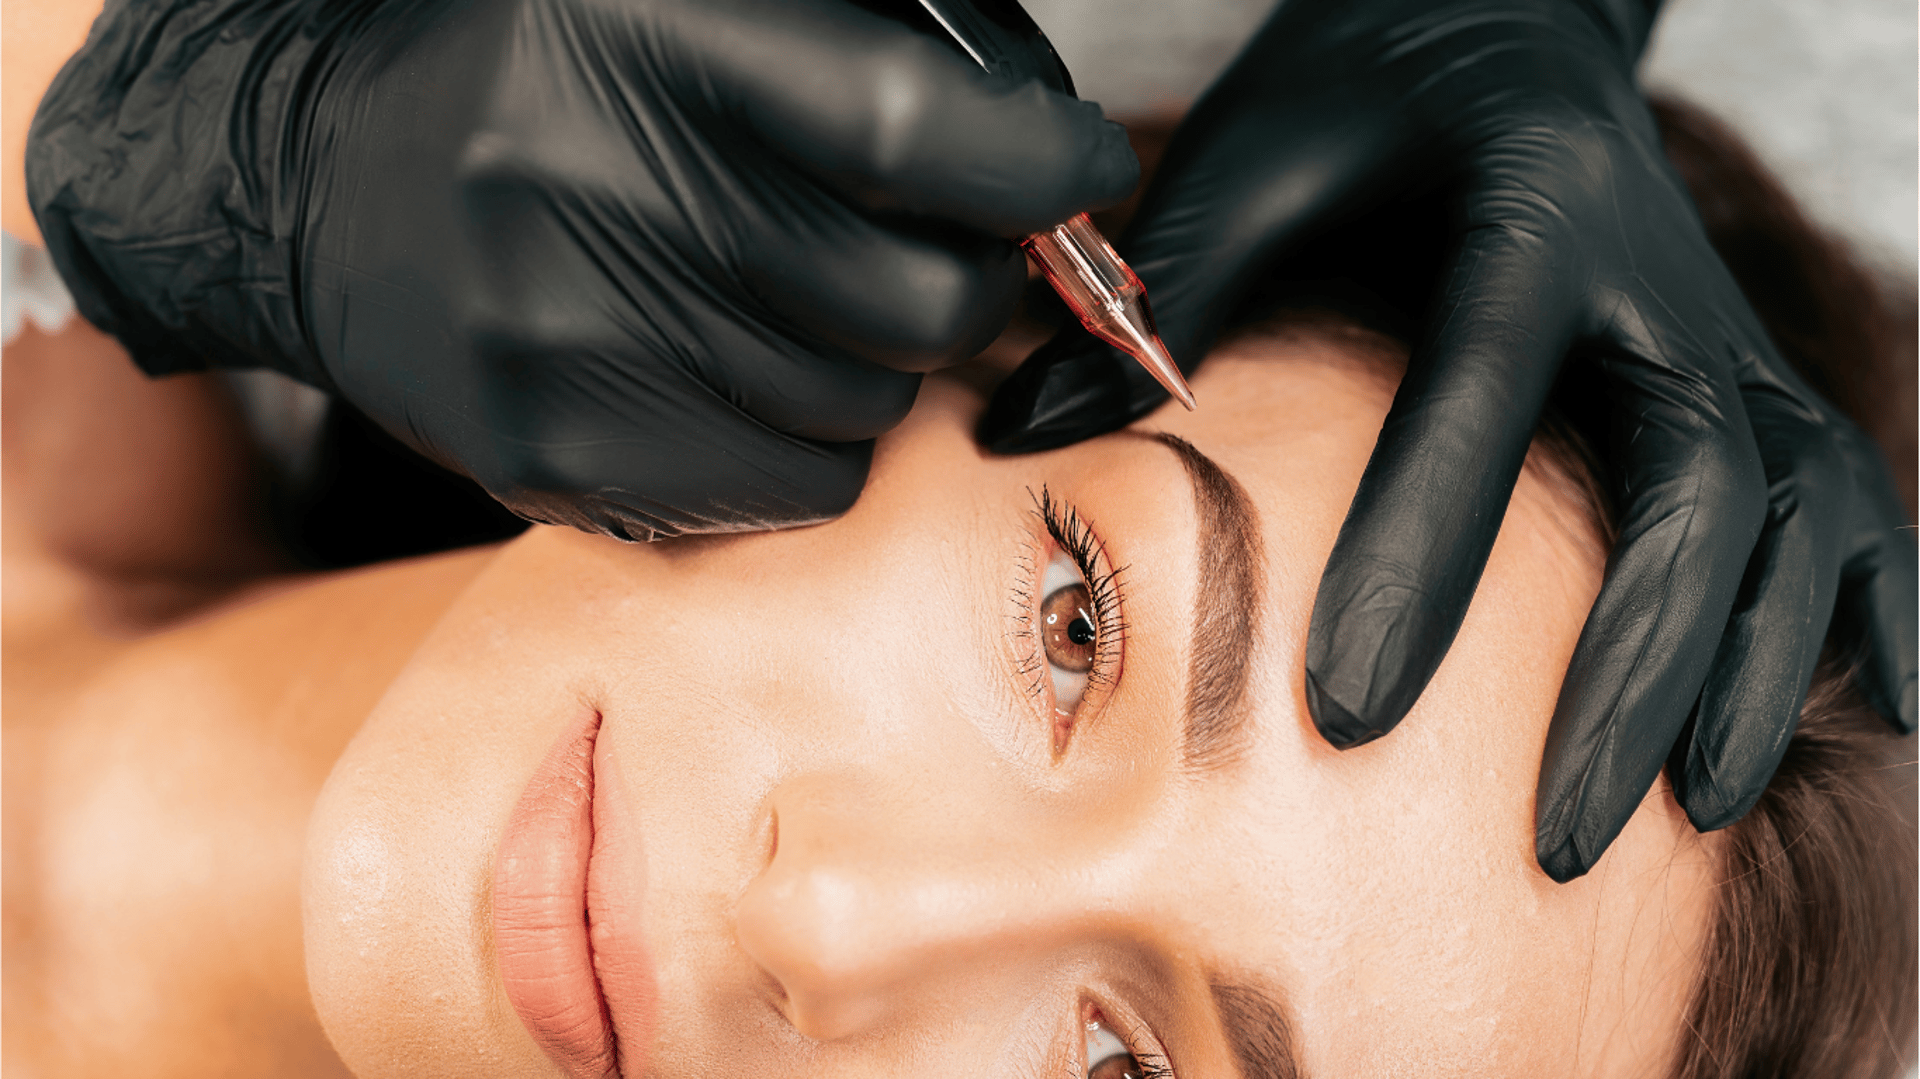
1076, 538
1152, 1065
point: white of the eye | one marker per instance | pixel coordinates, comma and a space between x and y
1068, 686
1061, 572
1103, 1045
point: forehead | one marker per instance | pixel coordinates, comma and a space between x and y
1391, 889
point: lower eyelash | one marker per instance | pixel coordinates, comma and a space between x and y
1030, 657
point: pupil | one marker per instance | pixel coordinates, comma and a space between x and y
1066, 630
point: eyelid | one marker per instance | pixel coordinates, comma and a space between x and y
1139, 1039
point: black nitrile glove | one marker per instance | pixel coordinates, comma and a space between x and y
646, 267
1747, 503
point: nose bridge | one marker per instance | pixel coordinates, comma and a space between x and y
870, 901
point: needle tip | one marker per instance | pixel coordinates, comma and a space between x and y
1154, 357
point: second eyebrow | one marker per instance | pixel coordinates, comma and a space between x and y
1226, 609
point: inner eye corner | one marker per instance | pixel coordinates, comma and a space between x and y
1101, 1039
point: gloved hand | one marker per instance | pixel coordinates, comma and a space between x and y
1748, 503
646, 267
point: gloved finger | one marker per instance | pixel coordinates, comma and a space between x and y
571, 436
1071, 389
1877, 592
910, 295
1237, 186
1694, 498
898, 121
1751, 702
556, 350
1417, 535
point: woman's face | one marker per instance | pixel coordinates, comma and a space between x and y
859, 809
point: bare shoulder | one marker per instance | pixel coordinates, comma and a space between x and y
162, 915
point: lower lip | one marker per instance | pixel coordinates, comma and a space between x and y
566, 887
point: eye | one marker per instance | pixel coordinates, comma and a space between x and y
1069, 631
1108, 1057
1065, 624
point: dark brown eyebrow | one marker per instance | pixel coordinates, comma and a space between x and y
1226, 617
1258, 1033
1226, 610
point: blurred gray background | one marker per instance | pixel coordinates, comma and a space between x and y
1825, 90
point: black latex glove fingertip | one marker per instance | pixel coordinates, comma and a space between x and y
1563, 862
1558, 826
1073, 388
1907, 711
1710, 808
1709, 803
1341, 727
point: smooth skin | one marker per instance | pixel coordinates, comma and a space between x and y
36, 37
940, 890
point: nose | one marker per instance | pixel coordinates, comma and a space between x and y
868, 907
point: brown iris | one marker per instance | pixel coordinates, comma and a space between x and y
1067, 628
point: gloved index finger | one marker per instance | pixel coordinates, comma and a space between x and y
899, 121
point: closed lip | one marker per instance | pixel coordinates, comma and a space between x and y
567, 884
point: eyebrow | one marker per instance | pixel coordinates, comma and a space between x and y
1258, 1033
1226, 611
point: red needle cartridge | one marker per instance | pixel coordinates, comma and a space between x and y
1105, 295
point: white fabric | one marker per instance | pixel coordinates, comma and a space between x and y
1824, 91
283, 416
30, 289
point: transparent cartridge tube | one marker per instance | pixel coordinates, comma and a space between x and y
1105, 295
